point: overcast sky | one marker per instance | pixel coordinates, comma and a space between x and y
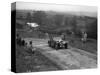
56, 7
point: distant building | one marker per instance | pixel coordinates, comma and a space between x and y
33, 25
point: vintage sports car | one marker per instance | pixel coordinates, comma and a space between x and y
58, 44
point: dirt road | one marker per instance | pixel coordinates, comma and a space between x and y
71, 58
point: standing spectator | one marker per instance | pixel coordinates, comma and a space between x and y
84, 37
72, 36
31, 48
30, 43
63, 36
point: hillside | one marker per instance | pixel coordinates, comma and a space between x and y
55, 22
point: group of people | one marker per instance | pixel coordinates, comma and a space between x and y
20, 41
83, 38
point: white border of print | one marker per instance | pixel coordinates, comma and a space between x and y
5, 37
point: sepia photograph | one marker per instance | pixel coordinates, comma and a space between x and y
54, 37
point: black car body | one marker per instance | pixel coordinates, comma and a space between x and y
58, 44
